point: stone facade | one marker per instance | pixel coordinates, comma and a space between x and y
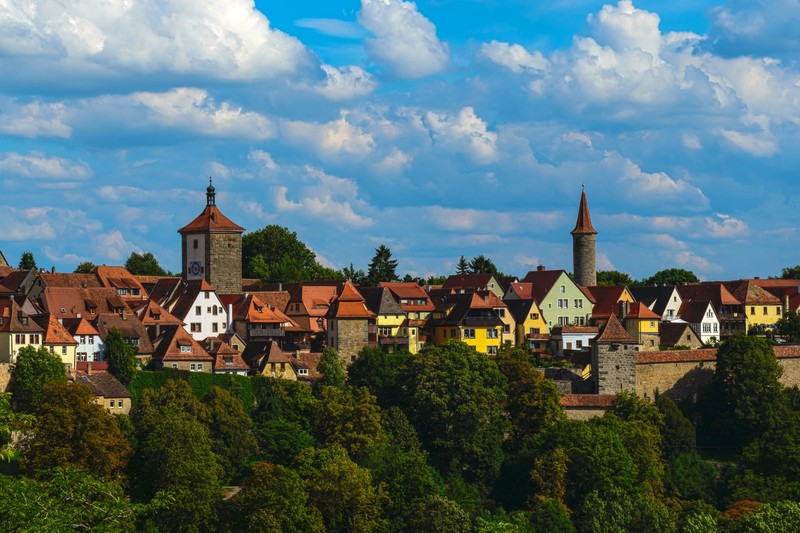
651, 342
584, 259
224, 260
348, 337
614, 367
680, 380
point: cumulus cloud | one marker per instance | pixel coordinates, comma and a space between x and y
112, 245
194, 109
228, 39
755, 28
345, 83
333, 27
37, 165
726, 226
331, 138
402, 38
457, 219
464, 133
514, 57
34, 119
758, 145
262, 159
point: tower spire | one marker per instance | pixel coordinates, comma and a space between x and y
211, 195
584, 246
584, 222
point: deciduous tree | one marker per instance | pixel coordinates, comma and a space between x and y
231, 431
144, 264
350, 418
121, 356
283, 257
34, 368
85, 268
614, 278
331, 368
671, 276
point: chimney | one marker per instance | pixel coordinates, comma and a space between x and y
124, 314
52, 270
540, 268
623, 309
280, 286
785, 304
88, 368
211, 346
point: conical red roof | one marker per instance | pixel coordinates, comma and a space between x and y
584, 222
211, 219
613, 332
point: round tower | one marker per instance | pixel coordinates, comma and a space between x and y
584, 247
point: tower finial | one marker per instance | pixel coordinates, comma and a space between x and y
210, 193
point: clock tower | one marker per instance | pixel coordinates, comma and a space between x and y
211, 248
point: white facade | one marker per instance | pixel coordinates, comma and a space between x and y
207, 317
673, 305
573, 341
195, 266
90, 348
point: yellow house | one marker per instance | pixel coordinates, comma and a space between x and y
762, 309
17, 330
530, 324
394, 332
58, 340
607, 300
417, 306
642, 324
467, 318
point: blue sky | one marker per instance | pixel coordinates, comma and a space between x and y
439, 128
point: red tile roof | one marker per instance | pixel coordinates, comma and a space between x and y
587, 400
542, 282
475, 282
225, 357
14, 320
613, 332
750, 293
349, 304
102, 384
715, 292
694, 311
676, 356
63, 279
522, 290
211, 219
606, 300
640, 311
168, 347
584, 223
55, 332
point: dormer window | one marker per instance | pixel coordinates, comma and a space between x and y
122, 292
228, 360
63, 311
133, 341
156, 316
186, 349
23, 320
302, 371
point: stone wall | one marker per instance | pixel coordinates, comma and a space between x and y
651, 342
224, 262
584, 260
615, 367
353, 335
678, 380
5, 377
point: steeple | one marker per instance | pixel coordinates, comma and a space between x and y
211, 195
584, 222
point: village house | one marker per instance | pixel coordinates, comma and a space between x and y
107, 390
468, 318
195, 303
390, 319
529, 324
417, 305
560, 300
351, 325
463, 283
17, 329
175, 348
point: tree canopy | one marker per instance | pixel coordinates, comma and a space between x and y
382, 267
275, 254
26, 261
671, 276
121, 356
34, 368
85, 268
144, 264
791, 272
614, 278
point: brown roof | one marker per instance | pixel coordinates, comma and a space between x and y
14, 320
77, 301
211, 219
715, 292
168, 347
475, 282
225, 357
315, 298
55, 332
12, 279
520, 309
750, 293
542, 282
613, 332
676, 356
129, 327
80, 326
379, 300
606, 300
178, 295
412, 293
786, 351
152, 314
577, 329
276, 300
64, 279
584, 223
640, 311
674, 333
694, 311
587, 400
102, 384
119, 278
522, 290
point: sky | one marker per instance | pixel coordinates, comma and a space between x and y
438, 128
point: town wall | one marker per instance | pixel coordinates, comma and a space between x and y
615, 366
224, 262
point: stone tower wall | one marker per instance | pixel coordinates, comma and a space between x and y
614, 367
224, 262
353, 336
584, 259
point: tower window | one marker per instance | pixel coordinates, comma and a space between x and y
194, 244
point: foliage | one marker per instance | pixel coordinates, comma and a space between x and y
274, 254
34, 368
174, 397
677, 432
231, 431
779, 516
65, 499
10, 421
382, 267
437, 514
26, 261
791, 272
550, 515
614, 278
85, 268
689, 477
121, 357
175, 457
356, 276
144, 264
281, 440
72, 430
349, 418
378, 371
454, 400
274, 498
200, 383
341, 490
788, 326
483, 265
462, 267
331, 368
671, 276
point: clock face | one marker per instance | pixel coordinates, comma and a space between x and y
194, 268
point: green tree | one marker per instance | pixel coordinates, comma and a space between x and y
454, 400
34, 368
745, 396
26, 261
551, 516
274, 498
482, 265
65, 499
121, 357
175, 457
778, 516
10, 421
382, 267
72, 430
789, 326
85, 268
678, 433
144, 264
437, 514
283, 257
791, 272
175, 396
231, 431
671, 276
379, 371
614, 278
356, 276
349, 418
342, 491
462, 267
331, 368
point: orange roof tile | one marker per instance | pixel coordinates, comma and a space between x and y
153, 314
55, 332
587, 400
522, 290
349, 304
640, 311
211, 219
584, 223
614, 332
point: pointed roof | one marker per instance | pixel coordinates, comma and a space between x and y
14, 320
673, 333
379, 300
168, 347
226, 359
80, 326
54, 331
349, 304
522, 289
211, 219
613, 332
153, 314
583, 225
640, 311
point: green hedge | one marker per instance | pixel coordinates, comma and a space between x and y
201, 383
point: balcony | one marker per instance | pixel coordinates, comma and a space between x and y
260, 331
389, 340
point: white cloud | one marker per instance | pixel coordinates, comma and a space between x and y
333, 27
34, 119
462, 220
395, 161
726, 226
402, 38
112, 245
195, 110
228, 39
331, 138
754, 144
263, 159
37, 165
345, 83
514, 57
691, 141
465, 133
